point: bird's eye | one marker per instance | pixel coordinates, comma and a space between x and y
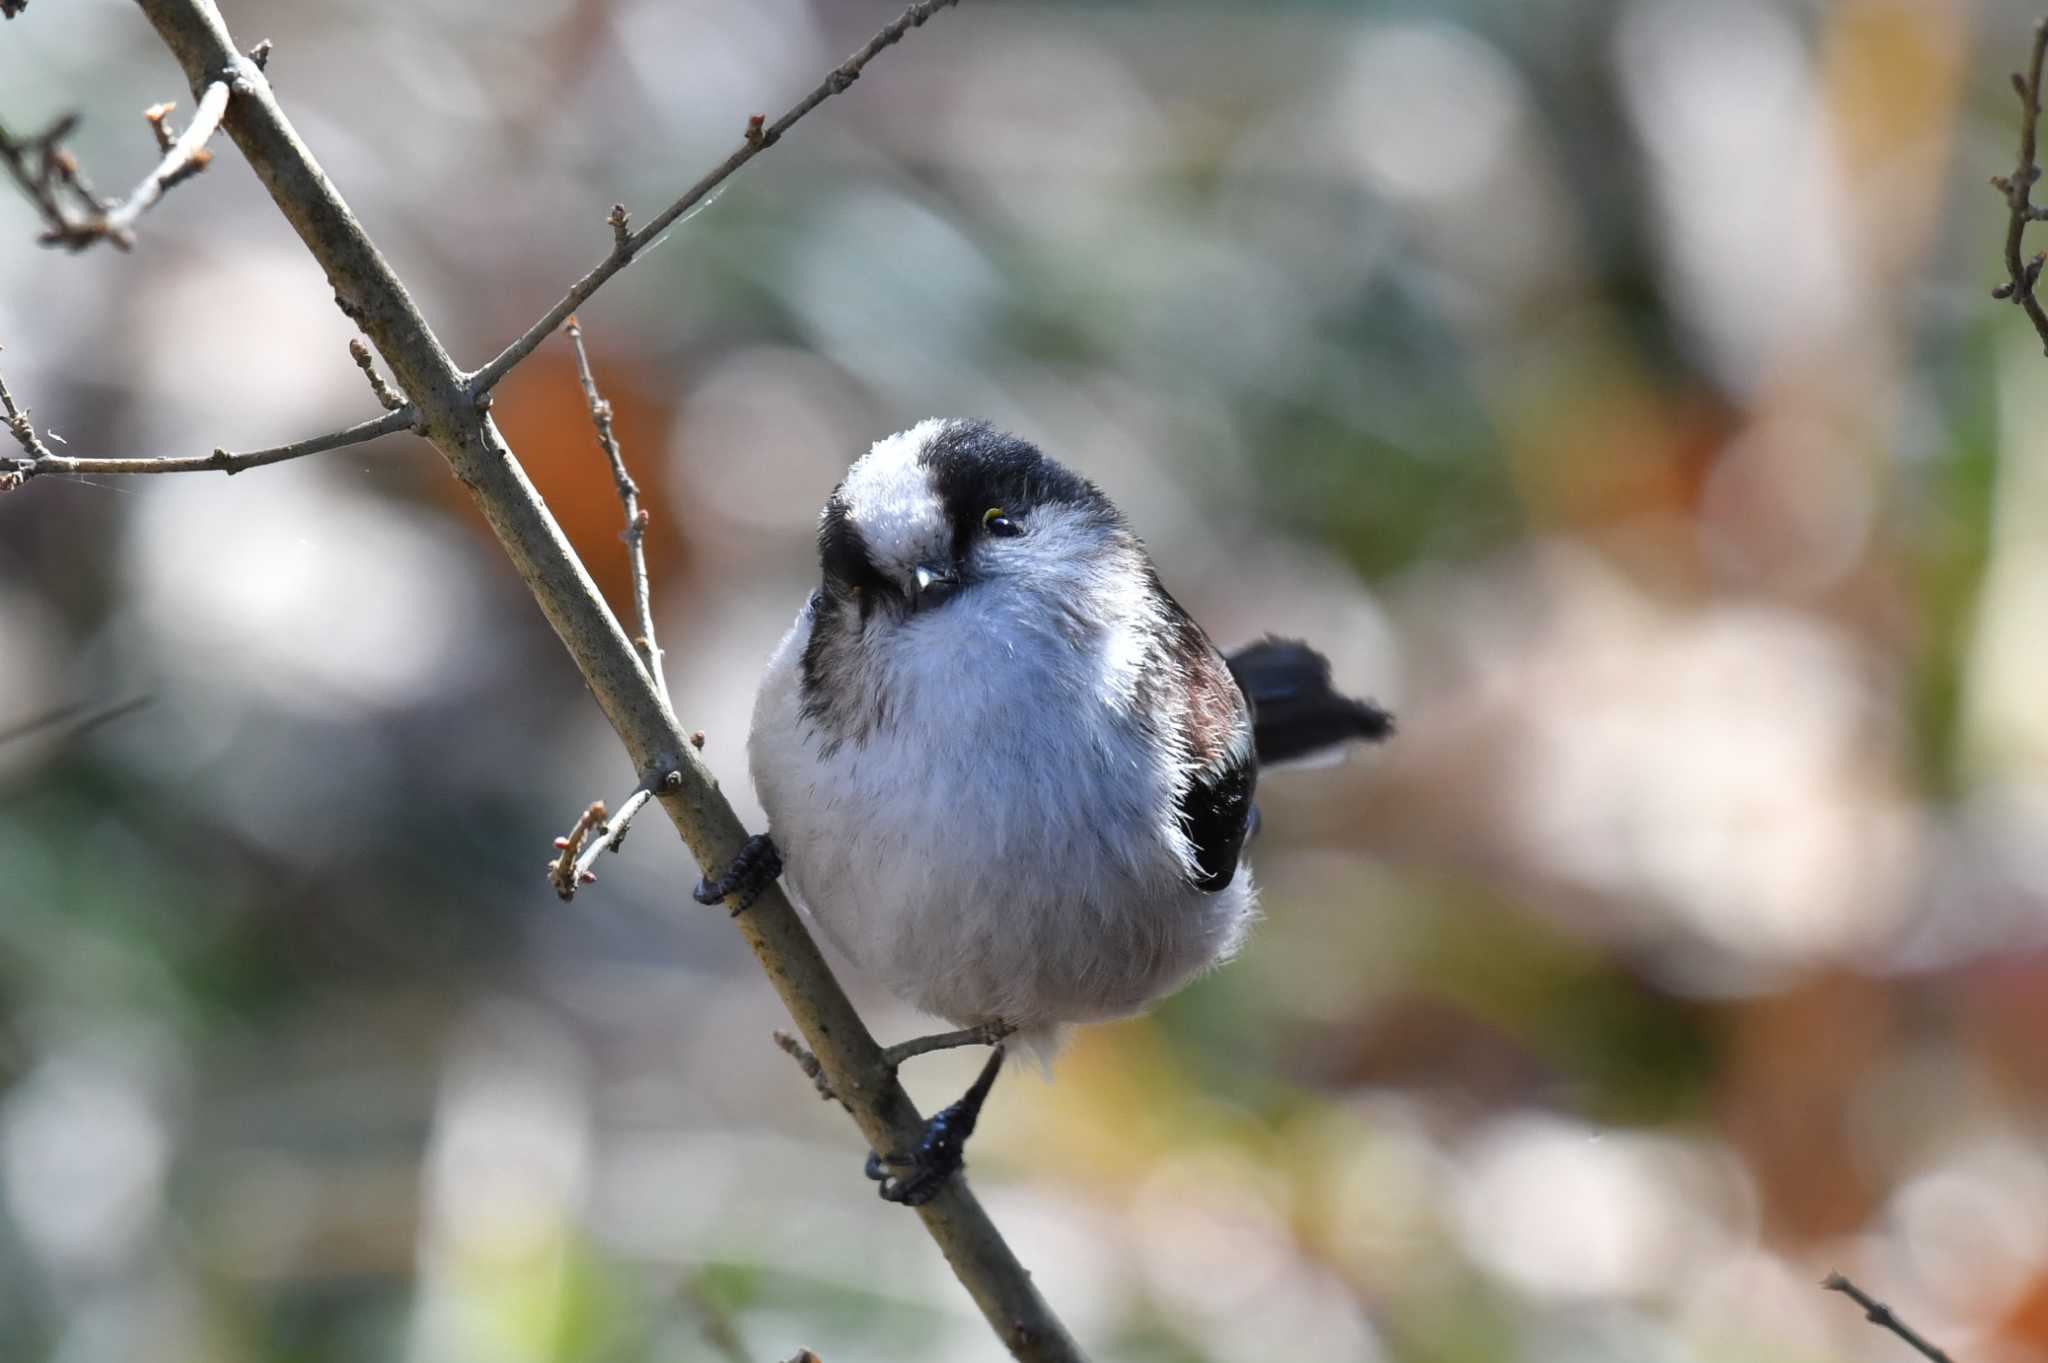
996, 523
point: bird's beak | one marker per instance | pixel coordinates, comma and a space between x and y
934, 582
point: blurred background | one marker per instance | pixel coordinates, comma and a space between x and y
1610, 388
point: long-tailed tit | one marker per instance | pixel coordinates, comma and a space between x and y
1003, 769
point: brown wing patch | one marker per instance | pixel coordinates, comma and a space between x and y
1216, 808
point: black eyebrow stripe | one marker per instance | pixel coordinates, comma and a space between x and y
843, 551
973, 466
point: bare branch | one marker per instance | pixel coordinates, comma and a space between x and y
41, 460
48, 173
613, 835
75, 718
598, 831
637, 518
183, 159
610, 836
808, 1063
987, 1034
24, 433
1875, 1311
453, 417
713, 1320
158, 117
562, 871
2018, 189
359, 351
755, 140
14, 472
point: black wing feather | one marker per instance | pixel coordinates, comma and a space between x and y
1217, 813
1295, 709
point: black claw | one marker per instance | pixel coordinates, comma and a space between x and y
752, 871
916, 1178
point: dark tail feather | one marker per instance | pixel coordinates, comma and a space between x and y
1295, 711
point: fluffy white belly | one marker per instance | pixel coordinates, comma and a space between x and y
997, 848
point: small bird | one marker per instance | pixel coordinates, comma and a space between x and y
1003, 769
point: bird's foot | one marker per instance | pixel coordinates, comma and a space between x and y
915, 1179
753, 870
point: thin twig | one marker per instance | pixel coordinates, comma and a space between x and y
597, 832
158, 116
2018, 189
612, 836
808, 1063
46, 172
13, 472
987, 1034
1875, 1311
625, 246
637, 518
24, 433
714, 1321
184, 158
70, 716
359, 351
562, 872
371, 293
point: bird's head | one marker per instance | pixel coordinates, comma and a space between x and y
948, 508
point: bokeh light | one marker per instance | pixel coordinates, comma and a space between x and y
1609, 389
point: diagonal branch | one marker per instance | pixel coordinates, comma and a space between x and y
612, 835
626, 245
2018, 189
372, 295
359, 351
24, 433
74, 718
637, 518
1875, 1311
596, 831
183, 159
48, 173
564, 870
